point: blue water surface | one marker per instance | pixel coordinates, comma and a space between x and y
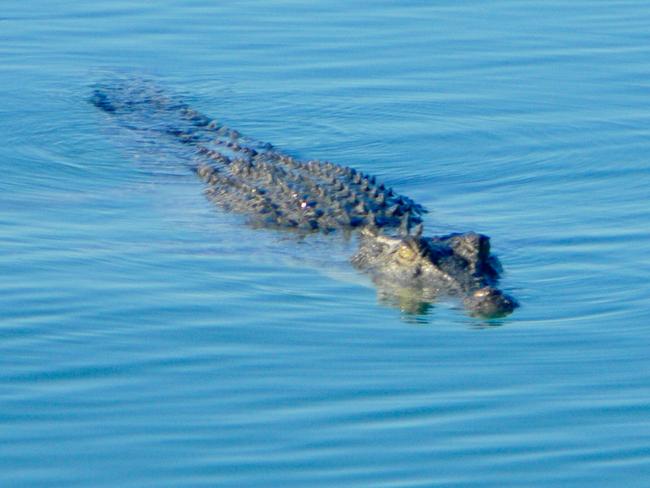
149, 339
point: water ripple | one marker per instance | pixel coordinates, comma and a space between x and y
148, 339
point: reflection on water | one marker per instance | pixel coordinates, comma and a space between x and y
408, 300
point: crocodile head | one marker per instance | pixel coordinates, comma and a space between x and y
456, 264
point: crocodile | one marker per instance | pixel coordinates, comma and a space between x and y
275, 189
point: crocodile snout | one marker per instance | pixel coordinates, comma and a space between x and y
490, 302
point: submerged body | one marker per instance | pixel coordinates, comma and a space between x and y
276, 190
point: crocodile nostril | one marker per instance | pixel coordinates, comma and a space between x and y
485, 292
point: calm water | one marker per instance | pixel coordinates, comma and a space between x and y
148, 339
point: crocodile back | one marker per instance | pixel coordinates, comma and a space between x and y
254, 178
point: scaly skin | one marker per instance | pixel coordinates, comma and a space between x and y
276, 190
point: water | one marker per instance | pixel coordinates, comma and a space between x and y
148, 339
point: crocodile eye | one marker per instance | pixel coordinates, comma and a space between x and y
406, 253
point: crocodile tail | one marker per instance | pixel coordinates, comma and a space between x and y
144, 107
